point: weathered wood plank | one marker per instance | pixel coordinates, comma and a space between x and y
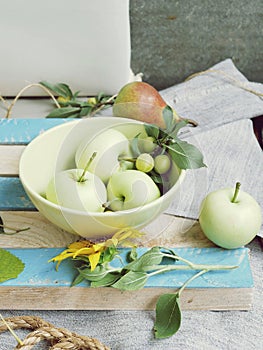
166, 230
13, 196
22, 131
49, 287
10, 156
68, 298
40, 234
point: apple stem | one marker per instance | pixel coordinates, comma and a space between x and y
234, 199
81, 178
107, 205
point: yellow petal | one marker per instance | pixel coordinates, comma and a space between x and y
94, 260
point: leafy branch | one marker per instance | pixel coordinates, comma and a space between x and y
184, 154
134, 275
71, 106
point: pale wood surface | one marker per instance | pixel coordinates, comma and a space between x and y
167, 230
81, 298
10, 156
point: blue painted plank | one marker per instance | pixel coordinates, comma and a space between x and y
22, 131
39, 273
13, 196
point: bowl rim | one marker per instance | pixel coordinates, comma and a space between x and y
92, 213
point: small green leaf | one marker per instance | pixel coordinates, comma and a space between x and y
98, 273
176, 127
132, 255
85, 111
60, 89
109, 254
135, 145
147, 261
109, 279
10, 265
185, 155
78, 279
168, 316
168, 118
131, 281
64, 112
152, 130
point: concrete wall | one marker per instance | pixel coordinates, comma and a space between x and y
172, 39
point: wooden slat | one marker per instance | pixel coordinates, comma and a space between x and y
41, 233
10, 155
51, 288
13, 196
166, 230
22, 131
68, 298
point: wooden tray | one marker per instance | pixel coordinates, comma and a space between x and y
41, 287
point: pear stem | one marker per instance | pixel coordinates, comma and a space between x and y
81, 178
234, 199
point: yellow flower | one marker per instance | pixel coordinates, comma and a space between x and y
93, 251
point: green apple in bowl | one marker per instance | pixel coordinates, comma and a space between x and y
54, 151
77, 189
110, 146
131, 189
230, 218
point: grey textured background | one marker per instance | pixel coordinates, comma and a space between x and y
172, 39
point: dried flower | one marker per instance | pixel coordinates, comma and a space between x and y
125, 237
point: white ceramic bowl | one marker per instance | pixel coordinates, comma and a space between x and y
54, 150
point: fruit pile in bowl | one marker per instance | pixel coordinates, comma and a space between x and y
94, 176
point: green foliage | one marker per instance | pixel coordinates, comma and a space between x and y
10, 265
185, 155
73, 106
134, 275
168, 315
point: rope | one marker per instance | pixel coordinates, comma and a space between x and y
59, 338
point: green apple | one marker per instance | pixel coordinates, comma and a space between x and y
110, 146
230, 218
77, 189
130, 189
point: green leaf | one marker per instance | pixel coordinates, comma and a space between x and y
60, 89
185, 155
109, 279
85, 111
147, 261
64, 112
133, 280
10, 265
168, 316
176, 127
77, 280
152, 130
135, 145
109, 254
132, 255
168, 118
98, 273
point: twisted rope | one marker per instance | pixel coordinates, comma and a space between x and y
59, 338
